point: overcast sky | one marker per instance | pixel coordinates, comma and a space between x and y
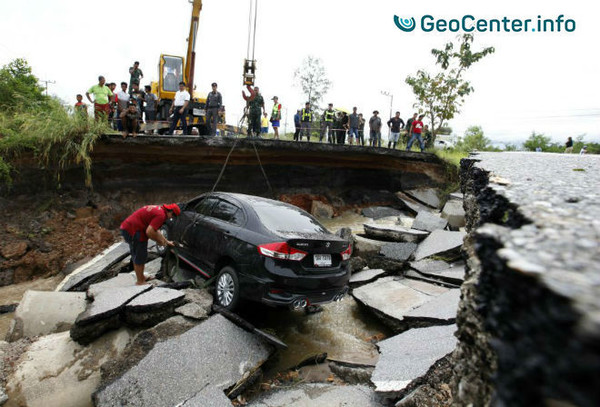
547, 82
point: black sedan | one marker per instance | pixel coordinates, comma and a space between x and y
260, 249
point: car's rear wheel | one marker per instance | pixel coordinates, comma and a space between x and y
227, 288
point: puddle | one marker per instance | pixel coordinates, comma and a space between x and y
355, 222
342, 330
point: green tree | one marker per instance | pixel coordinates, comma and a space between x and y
510, 147
18, 86
441, 95
311, 77
536, 140
474, 139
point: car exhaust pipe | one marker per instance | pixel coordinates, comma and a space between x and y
299, 304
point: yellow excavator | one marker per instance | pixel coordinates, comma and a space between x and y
173, 69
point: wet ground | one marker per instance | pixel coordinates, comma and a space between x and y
12, 294
342, 330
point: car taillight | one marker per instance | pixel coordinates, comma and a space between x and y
347, 253
281, 251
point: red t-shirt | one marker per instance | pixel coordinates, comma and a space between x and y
417, 126
138, 221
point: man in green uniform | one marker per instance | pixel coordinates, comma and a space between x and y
136, 73
256, 107
328, 119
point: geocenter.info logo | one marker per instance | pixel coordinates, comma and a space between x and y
469, 23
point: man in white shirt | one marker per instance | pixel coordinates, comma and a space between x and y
179, 108
122, 98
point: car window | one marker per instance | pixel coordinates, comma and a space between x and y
205, 206
282, 218
228, 212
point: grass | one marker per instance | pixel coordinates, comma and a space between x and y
55, 136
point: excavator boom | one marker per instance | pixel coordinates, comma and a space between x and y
191, 53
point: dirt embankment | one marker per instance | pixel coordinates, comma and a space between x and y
44, 234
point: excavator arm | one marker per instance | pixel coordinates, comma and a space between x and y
190, 59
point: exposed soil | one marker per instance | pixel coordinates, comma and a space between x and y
45, 233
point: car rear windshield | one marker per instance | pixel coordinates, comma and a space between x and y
280, 218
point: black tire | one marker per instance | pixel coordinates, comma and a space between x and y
169, 267
227, 288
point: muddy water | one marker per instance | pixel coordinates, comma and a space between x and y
343, 330
355, 222
12, 294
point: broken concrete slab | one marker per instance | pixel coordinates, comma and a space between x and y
192, 310
394, 233
350, 372
408, 356
45, 312
211, 396
366, 276
318, 394
378, 212
153, 306
442, 308
141, 344
357, 264
97, 269
441, 243
103, 313
398, 251
410, 204
195, 360
457, 196
392, 299
451, 272
429, 222
454, 213
428, 196
121, 280
202, 297
55, 371
413, 274
152, 268
364, 246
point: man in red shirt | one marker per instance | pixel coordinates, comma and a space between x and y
415, 130
141, 225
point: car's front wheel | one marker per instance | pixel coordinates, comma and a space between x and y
227, 288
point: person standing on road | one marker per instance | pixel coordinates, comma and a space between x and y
141, 225
150, 107
80, 107
276, 116
256, 107
328, 119
306, 122
136, 73
375, 129
122, 98
415, 131
395, 124
361, 129
569, 146
297, 125
264, 124
408, 127
353, 120
214, 101
179, 108
102, 96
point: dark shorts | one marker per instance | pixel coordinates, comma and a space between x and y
137, 249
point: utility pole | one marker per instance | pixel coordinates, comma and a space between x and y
389, 94
46, 84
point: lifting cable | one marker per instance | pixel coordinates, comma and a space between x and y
252, 29
262, 169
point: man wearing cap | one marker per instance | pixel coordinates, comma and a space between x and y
375, 130
214, 101
143, 224
328, 119
276, 116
